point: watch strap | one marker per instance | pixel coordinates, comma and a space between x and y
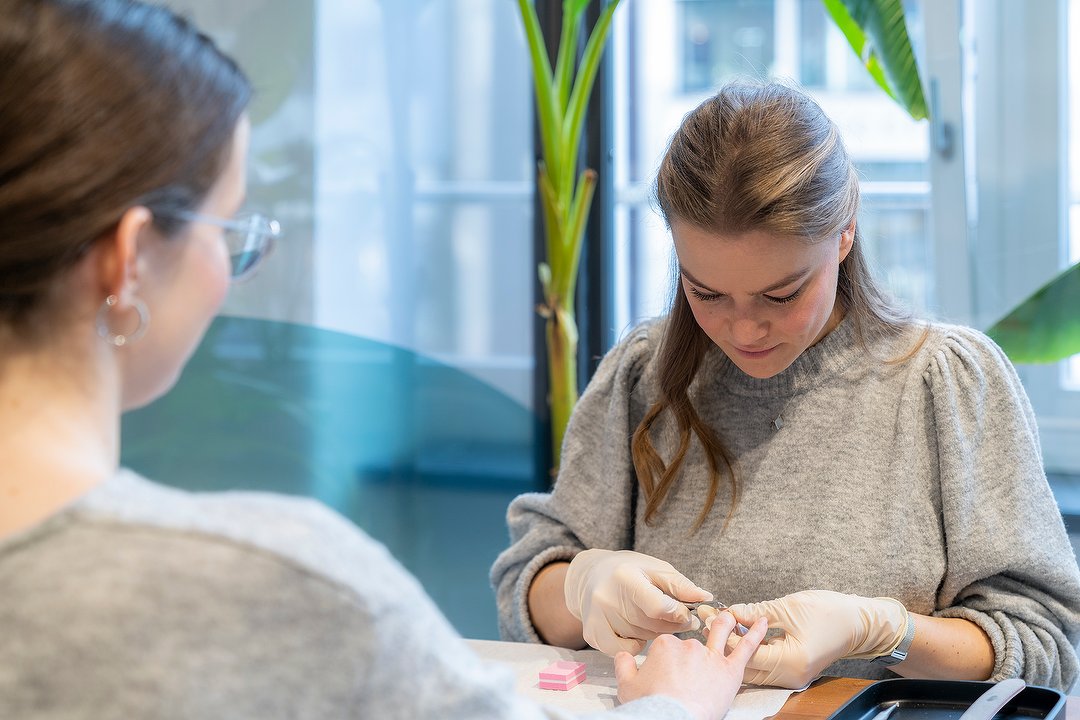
899, 654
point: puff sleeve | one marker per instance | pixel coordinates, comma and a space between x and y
1010, 567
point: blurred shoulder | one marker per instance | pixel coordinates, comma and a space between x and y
298, 532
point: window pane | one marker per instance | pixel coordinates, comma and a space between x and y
721, 38
1071, 378
896, 241
381, 359
813, 30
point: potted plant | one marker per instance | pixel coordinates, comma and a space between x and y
562, 96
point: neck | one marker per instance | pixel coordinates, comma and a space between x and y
59, 431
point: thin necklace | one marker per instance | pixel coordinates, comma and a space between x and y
778, 421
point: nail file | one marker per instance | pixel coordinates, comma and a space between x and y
987, 705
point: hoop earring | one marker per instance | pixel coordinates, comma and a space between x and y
117, 339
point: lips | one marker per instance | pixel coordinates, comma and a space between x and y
759, 353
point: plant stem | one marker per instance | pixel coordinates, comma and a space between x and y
562, 341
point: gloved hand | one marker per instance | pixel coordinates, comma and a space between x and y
822, 627
624, 598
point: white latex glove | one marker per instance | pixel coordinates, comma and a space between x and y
822, 627
624, 598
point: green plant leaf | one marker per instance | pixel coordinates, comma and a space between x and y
574, 8
575, 234
574, 120
878, 34
562, 98
564, 67
1044, 328
543, 85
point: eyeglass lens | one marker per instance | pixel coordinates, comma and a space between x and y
248, 247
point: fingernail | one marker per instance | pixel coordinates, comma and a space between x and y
709, 621
696, 623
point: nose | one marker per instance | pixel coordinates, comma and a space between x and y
748, 331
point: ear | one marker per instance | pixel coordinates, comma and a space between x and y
847, 240
118, 260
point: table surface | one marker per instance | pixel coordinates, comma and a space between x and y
827, 694
599, 691
817, 702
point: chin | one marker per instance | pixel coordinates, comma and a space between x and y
759, 372
760, 368
142, 396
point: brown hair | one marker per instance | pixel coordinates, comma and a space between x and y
107, 104
756, 156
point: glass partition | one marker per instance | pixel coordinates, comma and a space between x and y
381, 360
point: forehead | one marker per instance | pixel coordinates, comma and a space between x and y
744, 262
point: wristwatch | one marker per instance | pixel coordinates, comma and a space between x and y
901, 651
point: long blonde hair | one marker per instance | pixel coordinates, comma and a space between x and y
755, 156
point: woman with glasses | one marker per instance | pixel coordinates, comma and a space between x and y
123, 138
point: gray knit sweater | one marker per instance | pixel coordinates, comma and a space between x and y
920, 480
142, 601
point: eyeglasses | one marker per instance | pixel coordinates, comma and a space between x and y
249, 238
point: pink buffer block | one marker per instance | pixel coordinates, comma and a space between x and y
562, 675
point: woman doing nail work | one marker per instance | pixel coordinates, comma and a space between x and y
789, 442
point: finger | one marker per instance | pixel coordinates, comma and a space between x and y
767, 657
654, 604
634, 647
747, 613
608, 642
626, 668
755, 677
648, 628
706, 615
705, 612
720, 627
744, 650
678, 586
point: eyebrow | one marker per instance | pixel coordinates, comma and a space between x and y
797, 275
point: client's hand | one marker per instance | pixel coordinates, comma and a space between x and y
624, 598
822, 627
699, 676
